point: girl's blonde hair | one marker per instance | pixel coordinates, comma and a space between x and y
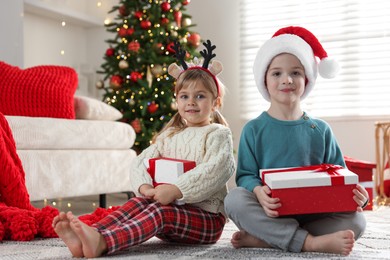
189, 78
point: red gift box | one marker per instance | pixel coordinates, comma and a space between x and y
363, 169
312, 189
167, 170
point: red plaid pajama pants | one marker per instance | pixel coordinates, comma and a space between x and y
140, 219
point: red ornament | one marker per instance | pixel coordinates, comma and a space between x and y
164, 21
135, 76
130, 31
165, 7
116, 82
194, 40
136, 124
145, 24
122, 32
123, 10
152, 107
185, 2
138, 14
133, 46
177, 15
110, 52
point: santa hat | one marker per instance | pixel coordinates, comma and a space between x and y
302, 44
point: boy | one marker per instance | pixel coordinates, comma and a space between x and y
285, 71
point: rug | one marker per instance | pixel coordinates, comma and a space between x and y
374, 244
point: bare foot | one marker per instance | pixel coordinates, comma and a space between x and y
62, 227
340, 242
244, 239
93, 243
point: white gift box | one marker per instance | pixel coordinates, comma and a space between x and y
168, 170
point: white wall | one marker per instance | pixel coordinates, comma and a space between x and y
11, 31
44, 46
355, 136
35, 36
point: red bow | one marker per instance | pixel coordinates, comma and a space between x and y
331, 169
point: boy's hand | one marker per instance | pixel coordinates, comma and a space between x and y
361, 197
269, 204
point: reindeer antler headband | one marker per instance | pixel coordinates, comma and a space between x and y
213, 69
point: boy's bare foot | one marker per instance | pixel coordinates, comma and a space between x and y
62, 227
244, 239
93, 243
340, 242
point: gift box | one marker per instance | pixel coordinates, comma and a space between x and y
363, 169
167, 170
312, 189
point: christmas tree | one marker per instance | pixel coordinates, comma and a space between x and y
137, 59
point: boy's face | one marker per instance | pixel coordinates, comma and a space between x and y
285, 79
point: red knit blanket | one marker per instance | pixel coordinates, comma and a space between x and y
19, 220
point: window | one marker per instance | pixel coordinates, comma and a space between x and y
356, 33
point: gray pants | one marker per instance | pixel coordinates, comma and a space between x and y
287, 233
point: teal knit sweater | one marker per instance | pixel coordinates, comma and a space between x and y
267, 142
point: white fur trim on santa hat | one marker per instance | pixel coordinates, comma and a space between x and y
285, 43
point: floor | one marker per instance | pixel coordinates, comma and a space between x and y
374, 244
82, 205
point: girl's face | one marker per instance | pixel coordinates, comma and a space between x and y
285, 79
195, 104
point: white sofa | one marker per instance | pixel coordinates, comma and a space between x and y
62, 158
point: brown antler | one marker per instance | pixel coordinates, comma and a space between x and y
180, 54
207, 53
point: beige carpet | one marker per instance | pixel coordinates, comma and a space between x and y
375, 244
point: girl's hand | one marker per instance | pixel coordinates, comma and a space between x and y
269, 204
147, 191
361, 197
167, 193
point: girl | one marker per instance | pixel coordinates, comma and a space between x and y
285, 71
197, 132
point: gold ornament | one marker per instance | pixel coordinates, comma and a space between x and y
100, 84
186, 22
123, 64
174, 33
157, 70
149, 77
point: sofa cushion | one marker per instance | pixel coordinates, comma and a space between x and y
40, 91
93, 109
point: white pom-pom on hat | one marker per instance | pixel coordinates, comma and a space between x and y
305, 46
328, 68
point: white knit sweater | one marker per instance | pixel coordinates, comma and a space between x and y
211, 147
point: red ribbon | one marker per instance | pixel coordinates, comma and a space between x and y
335, 177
